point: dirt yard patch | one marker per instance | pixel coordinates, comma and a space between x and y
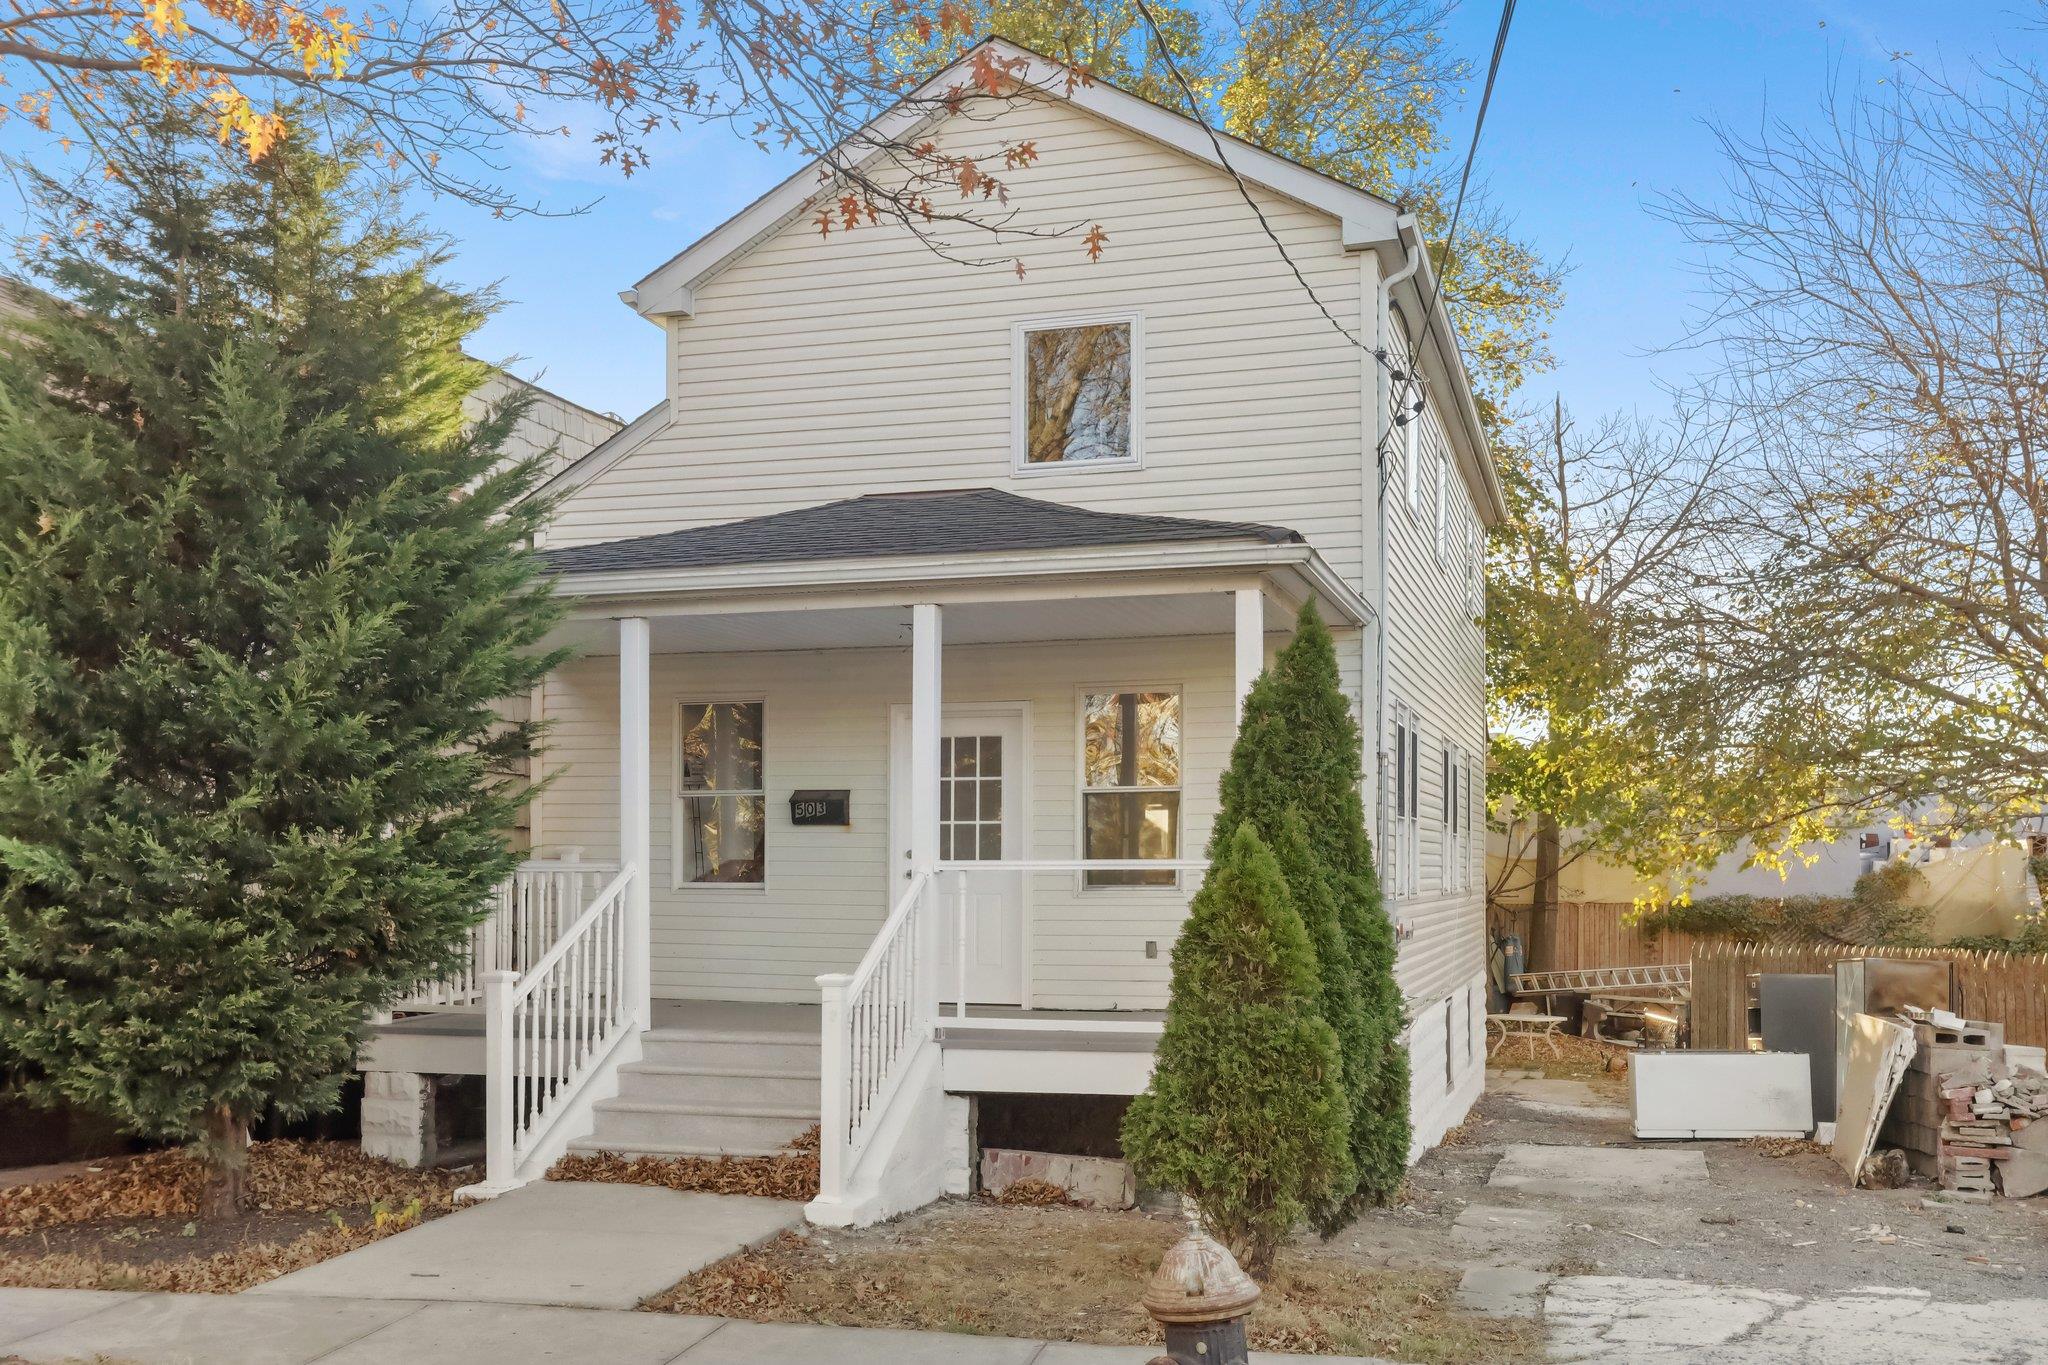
1077, 1275
790, 1174
132, 1223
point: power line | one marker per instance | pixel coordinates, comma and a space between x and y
1500, 43
1216, 143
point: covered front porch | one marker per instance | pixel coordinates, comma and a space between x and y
938, 815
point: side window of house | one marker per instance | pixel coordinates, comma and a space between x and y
1475, 568
1077, 394
721, 791
1450, 1053
1443, 507
1453, 851
1130, 783
1406, 861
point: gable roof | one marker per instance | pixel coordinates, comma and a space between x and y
1368, 220
888, 525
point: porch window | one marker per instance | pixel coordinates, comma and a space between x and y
1077, 393
721, 792
1130, 783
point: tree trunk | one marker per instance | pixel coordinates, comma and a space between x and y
225, 1150
1543, 896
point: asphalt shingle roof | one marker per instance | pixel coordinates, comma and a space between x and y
882, 525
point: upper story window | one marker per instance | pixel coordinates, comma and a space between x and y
1130, 783
1078, 394
1443, 507
721, 793
1406, 832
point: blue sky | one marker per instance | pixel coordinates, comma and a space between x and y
1601, 106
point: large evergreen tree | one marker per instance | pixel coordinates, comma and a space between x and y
1295, 774
1245, 1111
259, 589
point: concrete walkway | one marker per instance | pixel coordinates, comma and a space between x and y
275, 1328
553, 1243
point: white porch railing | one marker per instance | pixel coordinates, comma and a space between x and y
876, 1019
531, 909
546, 1028
872, 1021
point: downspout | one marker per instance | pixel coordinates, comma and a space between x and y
1404, 227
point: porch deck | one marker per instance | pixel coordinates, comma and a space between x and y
452, 1043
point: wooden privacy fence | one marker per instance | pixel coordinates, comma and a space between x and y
1578, 935
2010, 988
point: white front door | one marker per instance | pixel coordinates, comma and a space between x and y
981, 819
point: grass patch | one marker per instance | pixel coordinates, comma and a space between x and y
1076, 1275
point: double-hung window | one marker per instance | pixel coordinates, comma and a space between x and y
1452, 845
1079, 402
1443, 507
721, 796
1130, 783
1406, 862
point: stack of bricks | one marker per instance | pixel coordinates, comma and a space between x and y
1922, 1122
1965, 1119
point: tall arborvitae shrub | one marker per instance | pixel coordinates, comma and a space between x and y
259, 588
1300, 757
1245, 1111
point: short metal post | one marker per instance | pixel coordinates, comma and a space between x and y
835, 1064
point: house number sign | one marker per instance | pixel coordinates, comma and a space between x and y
817, 806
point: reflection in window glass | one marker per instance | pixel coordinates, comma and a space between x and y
725, 808
1131, 776
1077, 393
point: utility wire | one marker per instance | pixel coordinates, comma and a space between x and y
1500, 43
1409, 374
1216, 143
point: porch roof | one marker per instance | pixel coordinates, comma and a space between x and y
893, 525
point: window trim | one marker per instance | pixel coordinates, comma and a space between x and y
677, 796
1081, 789
1406, 826
1020, 464
1443, 507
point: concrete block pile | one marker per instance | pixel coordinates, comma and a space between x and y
1965, 1117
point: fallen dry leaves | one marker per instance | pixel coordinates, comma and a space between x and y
330, 1179
311, 1177
1784, 1146
1036, 1194
1077, 1275
223, 1272
790, 1174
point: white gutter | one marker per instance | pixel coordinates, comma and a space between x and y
1411, 237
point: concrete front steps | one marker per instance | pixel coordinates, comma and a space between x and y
702, 1089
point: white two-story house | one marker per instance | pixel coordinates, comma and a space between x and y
912, 627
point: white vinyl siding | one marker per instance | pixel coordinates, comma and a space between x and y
1436, 668
828, 713
863, 363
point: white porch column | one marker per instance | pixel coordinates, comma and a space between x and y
1251, 640
924, 797
636, 809
924, 736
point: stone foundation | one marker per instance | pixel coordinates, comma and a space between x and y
398, 1117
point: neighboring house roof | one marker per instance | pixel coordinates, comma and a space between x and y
606, 453
888, 525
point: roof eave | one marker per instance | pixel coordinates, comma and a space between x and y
825, 577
